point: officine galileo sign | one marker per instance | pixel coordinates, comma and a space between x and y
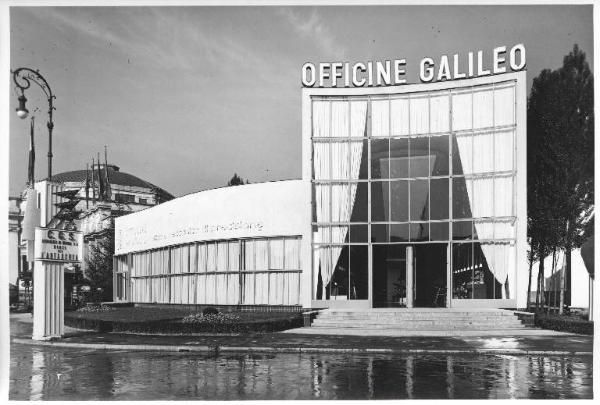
392, 72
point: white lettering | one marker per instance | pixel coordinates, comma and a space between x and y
426, 73
499, 59
480, 70
444, 72
399, 71
305, 80
513, 52
324, 73
384, 73
355, 81
336, 75
457, 74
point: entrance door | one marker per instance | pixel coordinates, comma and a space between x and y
429, 266
389, 276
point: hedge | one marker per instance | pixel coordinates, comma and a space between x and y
176, 326
564, 324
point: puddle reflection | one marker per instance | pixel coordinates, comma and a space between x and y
40, 373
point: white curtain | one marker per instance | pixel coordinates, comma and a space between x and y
276, 251
488, 196
345, 163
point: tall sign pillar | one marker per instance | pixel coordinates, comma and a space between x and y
53, 249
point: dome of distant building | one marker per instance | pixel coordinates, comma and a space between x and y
115, 176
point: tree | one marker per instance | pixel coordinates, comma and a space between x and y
99, 272
560, 125
236, 181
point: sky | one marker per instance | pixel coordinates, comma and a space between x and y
183, 97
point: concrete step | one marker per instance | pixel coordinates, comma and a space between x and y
415, 317
419, 327
409, 322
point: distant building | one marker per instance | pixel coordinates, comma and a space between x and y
66, 192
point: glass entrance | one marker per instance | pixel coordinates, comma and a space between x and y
399, 270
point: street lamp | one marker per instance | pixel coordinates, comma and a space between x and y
23, 78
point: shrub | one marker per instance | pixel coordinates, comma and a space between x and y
95, 308
210, 311
564, 324
211, 318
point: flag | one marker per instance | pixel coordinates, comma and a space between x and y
108, 191
31, 165
87, 186
93, 183
101, 193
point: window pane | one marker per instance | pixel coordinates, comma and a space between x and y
292, 254
363, 172
321, 118
379, 233
399, 233
340, 160
462, 154
359, 272
399, 158
338, 286
379, 159
419, 200
400, 119
323, 202
340, 125
276, 252
321, 160
503, 151
439, 231
462, 271
360, 209
359, 233
439, 146
462, 114
504, 106
234, 256
399, 200
483, 278
261, 252
483, 197
439, 198
419, 157
483, 153
440, 113
379, 201
462, 230
483, 109
503, 196
419, 232
461, 207
419, 115
380, 117
358, 118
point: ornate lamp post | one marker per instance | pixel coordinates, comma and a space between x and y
23, 78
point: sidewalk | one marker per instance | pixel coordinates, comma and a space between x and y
560, 344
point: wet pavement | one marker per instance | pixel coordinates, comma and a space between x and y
58, 373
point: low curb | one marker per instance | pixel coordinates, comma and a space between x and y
258, 349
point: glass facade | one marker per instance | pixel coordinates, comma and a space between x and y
434, 167
263, 271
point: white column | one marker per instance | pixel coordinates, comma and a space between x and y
409, 277
48, 301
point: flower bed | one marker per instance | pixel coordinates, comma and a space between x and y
178, 321
564, 323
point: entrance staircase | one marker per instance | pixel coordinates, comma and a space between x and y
418, 321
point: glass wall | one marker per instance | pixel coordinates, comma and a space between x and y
416, 168
234, 272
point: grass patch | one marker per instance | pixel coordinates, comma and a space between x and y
170, 321
564, 323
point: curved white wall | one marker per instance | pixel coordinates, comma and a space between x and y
279, 208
